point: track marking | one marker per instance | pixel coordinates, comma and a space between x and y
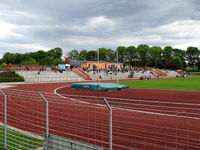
72, 99
137, 111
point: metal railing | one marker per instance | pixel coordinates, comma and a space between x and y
107, 123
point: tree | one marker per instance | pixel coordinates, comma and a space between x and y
1, 61
82, 55
40, 54
58, 52
46, 61
181, 54
143, 54
178, 62
91, 55
24, 57
175, 63
102, 54
122, 53
192, 56
55, 53
18, 58
132, 55
198, 64
73, 54
8, 58
155, 56
30, 61
110, 55
167, 53
37, 56
58, 61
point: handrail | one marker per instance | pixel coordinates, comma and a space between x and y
81, 73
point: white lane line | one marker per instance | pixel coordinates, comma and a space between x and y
137, 111
72, 98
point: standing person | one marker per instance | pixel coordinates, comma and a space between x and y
157, 76
40, 68
18, 68
27, 68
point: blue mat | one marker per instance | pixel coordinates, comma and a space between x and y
99, 86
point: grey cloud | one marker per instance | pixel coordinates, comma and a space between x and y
91, 24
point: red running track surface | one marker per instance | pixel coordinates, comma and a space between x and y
131, 129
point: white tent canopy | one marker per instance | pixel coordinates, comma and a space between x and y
68, 65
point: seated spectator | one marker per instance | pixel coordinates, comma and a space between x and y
141, 78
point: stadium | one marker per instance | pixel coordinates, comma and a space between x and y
99, 75
45, 112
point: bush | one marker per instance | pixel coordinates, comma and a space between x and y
3, 65
15, 78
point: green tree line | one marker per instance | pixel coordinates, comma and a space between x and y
144, 55
39, 57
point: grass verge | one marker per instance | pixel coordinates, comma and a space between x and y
195, 73
172, 84
18, 141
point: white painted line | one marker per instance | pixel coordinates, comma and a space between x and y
72, 98
137, 111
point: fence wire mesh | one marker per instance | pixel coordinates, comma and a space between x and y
25, 119
152, 124
136, 124
2, 121
79, 120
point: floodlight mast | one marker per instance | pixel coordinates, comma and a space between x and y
117, 68
98, 67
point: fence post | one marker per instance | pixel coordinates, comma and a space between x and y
47, 118
110, 122
5, 119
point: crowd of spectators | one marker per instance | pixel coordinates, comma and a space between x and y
145, 73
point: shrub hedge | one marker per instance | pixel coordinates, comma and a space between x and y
17, 78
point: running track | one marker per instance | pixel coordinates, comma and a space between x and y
131, 130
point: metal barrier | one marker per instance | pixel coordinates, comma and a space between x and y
32, 116
31, 120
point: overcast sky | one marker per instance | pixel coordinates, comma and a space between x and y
31, 25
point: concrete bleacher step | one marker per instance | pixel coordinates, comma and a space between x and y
157, 71
49, 76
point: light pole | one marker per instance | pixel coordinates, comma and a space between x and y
117, 68
98, 67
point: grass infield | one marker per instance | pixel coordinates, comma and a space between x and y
19, 141
172, 84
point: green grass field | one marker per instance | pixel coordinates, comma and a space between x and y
172, 84
17, 140
195, 73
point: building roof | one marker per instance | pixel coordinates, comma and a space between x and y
83, 62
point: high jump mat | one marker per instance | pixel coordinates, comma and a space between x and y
99, 86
